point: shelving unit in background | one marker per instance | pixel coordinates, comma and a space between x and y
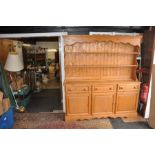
35, 64
36, 59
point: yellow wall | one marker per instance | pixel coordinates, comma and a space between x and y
4, 49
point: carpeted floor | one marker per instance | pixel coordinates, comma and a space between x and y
52, 84
56, 121
118, 123
45, 101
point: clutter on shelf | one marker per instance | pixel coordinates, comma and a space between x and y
5, 86
21, 91
35, 67
19, 83
35, 56
4, 104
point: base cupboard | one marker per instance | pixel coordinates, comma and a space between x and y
101, 100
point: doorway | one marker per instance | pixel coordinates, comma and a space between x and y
52, 80
42, 73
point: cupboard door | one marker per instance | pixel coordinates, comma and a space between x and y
103, 103
78, 104
127, 102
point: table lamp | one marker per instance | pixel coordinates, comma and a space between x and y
14, 64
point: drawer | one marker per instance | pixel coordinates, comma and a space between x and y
77, 88
104, 88
126, 87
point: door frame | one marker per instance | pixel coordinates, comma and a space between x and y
61, 53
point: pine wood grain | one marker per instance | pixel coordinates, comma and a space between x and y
100, 76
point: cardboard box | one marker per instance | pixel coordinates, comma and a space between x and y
20, 83
1, 108
6, 104
1, 96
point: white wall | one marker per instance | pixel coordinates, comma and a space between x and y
113, 33
51, 45
18, 49
62, 77
147, 112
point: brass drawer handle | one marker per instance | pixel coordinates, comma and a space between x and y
110, 88
69, 89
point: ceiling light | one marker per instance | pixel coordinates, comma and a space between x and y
27, 45
52, 50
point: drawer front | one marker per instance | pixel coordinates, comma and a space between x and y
104, 88
127, 87
77, 88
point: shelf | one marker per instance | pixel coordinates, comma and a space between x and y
70, 80
100, 66
136, 53
40, 53
38, 59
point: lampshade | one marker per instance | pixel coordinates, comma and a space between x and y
13, 62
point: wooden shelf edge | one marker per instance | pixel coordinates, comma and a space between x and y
136, 53
67, 66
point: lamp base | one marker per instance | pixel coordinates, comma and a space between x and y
21, 109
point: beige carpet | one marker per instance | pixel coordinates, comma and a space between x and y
55, 121
96, 124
